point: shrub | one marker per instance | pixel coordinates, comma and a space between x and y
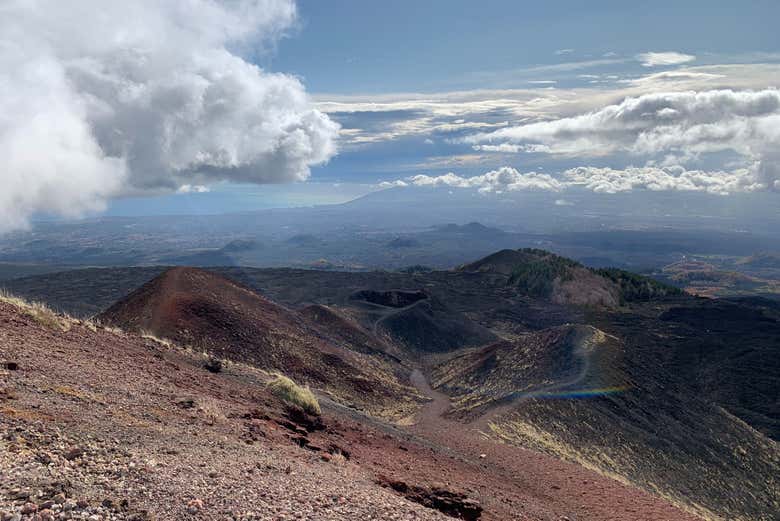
290, 392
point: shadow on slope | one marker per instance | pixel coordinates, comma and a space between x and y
429, 327
628, 400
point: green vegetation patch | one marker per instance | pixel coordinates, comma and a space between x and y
536, 277
635, 287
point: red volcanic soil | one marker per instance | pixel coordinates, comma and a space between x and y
212, 314
204, 310
523, 484
136, 430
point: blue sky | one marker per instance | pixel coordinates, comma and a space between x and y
374, 66
201, 105
353, 47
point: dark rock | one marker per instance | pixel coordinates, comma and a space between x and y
301, 441
44, 457
187, 403
19, 494
213, 365
454, 504
307, 421
73, 453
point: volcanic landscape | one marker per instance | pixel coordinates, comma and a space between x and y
520, 386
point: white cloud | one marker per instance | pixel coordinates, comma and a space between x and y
425, 113
450, 161
398, 183
661, 59
190, 189
105, 98
561, 52
563, 202
676, 178
668, 78
505, 148
504, 179
596, 179
684, 124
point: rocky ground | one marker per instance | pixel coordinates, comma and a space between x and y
98, 424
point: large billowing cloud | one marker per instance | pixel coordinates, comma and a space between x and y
674, 127
102, 98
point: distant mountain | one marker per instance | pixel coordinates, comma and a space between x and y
404, 242
472, 228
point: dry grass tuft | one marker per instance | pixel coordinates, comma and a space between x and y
292, 393
38, 311
150, 336
113, 330
338, 458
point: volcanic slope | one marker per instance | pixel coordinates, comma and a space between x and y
672, 393
416, 322
541, 274
611, 403
212, 314
101, 423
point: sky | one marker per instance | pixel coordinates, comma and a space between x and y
201, 106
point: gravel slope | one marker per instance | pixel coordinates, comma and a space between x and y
99, 425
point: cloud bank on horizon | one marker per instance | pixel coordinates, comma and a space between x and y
713, 128
598, 180
676, 127
99, 99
